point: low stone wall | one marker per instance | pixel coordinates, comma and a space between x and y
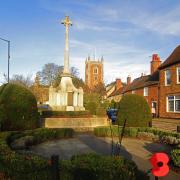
75, 122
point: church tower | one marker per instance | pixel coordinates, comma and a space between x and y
93, 72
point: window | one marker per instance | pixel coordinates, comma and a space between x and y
95, 78
96, 70
146, 91
173, 103
178, 75
167, 77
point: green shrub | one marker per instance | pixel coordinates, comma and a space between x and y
91, 106
135, 109
106, 131
18, 108
159, 132
97, 167
113, 104
27, 166
148, 136
175, 155
42, 134
18, 166
170, 138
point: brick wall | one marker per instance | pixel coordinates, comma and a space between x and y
152, 95
173, 89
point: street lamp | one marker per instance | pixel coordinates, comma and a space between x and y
8, 53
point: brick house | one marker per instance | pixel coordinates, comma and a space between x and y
147, 85
114, 91
169, 91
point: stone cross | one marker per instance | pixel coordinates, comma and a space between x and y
66, 23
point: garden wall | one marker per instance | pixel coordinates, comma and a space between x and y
75, 122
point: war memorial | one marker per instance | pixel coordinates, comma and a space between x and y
70, 123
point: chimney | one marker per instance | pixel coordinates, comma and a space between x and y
118, 83
155, 63
128, 80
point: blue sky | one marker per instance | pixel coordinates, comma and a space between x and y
125, 32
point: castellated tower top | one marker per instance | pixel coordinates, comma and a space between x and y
94, 72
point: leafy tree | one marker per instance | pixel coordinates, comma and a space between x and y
99, 89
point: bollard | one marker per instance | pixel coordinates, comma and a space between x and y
178, 129
55, 167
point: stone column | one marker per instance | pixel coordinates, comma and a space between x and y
66, 23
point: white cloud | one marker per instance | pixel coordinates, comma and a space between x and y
119, 60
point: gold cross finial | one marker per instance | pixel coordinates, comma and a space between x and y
66, 21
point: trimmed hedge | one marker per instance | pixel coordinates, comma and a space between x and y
46, 114
29, 166
169, 138
135, 109
97, 167
90, 166
175, 155
42, 134
165, 137
18, 108
106, 131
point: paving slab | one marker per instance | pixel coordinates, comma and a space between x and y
137, 150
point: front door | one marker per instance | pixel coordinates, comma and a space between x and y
154, 107
70, 98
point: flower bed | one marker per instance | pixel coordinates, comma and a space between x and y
175, 156
152, 134
30, 166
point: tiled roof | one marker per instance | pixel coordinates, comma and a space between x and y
143, 81
116, 92
174, 58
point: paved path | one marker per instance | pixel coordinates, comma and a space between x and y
137, 150
166, 124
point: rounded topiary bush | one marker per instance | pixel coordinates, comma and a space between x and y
135, 110
18, 108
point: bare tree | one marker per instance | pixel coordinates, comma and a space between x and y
75, 71
20, 79
99, 89
49, 73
